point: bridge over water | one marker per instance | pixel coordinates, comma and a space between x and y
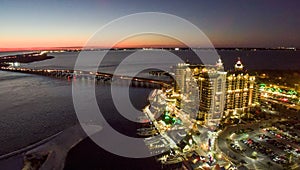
98, 77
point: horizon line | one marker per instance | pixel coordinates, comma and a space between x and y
136, 47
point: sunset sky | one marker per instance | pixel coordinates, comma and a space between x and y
66, 23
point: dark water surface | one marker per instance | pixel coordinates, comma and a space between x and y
35, 107
32, 108
260, 59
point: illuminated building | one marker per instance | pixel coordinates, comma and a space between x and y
241, 91
279, 93
211, 85
233, 93
182, 77
187, 86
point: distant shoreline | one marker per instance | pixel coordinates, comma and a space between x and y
145, 48
23, 58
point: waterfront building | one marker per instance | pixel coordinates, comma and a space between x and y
218, 92
182, 77
186, 86
211, 85
241, 91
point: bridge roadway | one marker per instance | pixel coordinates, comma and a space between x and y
98, 76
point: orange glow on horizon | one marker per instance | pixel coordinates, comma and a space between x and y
149, 40
138, 41
23, 43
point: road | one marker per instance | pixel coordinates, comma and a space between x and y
158, 127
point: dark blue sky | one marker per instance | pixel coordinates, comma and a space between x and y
253, 23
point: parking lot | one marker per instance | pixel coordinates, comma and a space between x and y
273, 144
